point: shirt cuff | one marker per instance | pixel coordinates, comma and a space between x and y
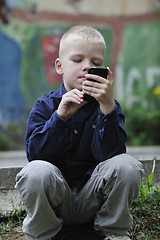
109, 116
58, 122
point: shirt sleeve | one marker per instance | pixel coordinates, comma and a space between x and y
47, 134
109, 137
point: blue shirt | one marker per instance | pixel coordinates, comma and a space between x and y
78, 145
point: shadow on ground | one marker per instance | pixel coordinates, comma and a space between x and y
80, 232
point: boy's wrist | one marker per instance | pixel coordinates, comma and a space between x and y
107, 108
65, 118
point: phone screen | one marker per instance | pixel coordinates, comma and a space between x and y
102, 72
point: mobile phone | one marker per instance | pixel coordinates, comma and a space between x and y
102, 72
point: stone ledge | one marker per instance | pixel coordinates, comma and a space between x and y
12, 162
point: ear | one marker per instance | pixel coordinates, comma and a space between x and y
58, 66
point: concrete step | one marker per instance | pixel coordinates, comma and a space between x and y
9, 202
13, 161
146, 156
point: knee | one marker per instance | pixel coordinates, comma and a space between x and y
129, 170
124, 168
37, 174
123, 173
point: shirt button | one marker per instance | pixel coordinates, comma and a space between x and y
94, 126
105, 120
75, 131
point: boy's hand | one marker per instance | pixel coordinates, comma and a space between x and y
101, 90
70, 103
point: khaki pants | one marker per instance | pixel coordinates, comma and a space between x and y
105, 198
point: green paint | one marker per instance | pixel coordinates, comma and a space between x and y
141, 54
33, 77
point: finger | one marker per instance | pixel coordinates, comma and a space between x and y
109, 77
78, 95
77, 92
95, 78
73, 97
74, 92
91, 91
109, 71
91, 84
104, 84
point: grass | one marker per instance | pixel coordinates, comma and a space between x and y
145, 210
11, 225
146, 213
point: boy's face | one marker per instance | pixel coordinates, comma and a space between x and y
77, 57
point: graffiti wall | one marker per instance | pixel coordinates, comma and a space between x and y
29, 46
27, 70
138, 69
12, 102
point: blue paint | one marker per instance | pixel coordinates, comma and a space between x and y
12, 104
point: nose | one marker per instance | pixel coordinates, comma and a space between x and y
86, 66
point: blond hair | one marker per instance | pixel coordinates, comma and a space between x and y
82, 32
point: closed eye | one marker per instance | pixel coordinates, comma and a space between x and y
97, 64
77, 60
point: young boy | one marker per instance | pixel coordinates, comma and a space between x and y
78, 170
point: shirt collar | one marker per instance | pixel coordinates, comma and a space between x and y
59, 92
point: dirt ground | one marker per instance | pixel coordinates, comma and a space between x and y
86, 232
82, 232
15, 234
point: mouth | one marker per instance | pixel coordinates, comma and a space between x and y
83, 78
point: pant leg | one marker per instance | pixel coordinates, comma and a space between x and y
108, 194
43, 191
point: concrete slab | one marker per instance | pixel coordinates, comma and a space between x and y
12, 159
12, 162
10, 202
146, 156
7, 177
144, 153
